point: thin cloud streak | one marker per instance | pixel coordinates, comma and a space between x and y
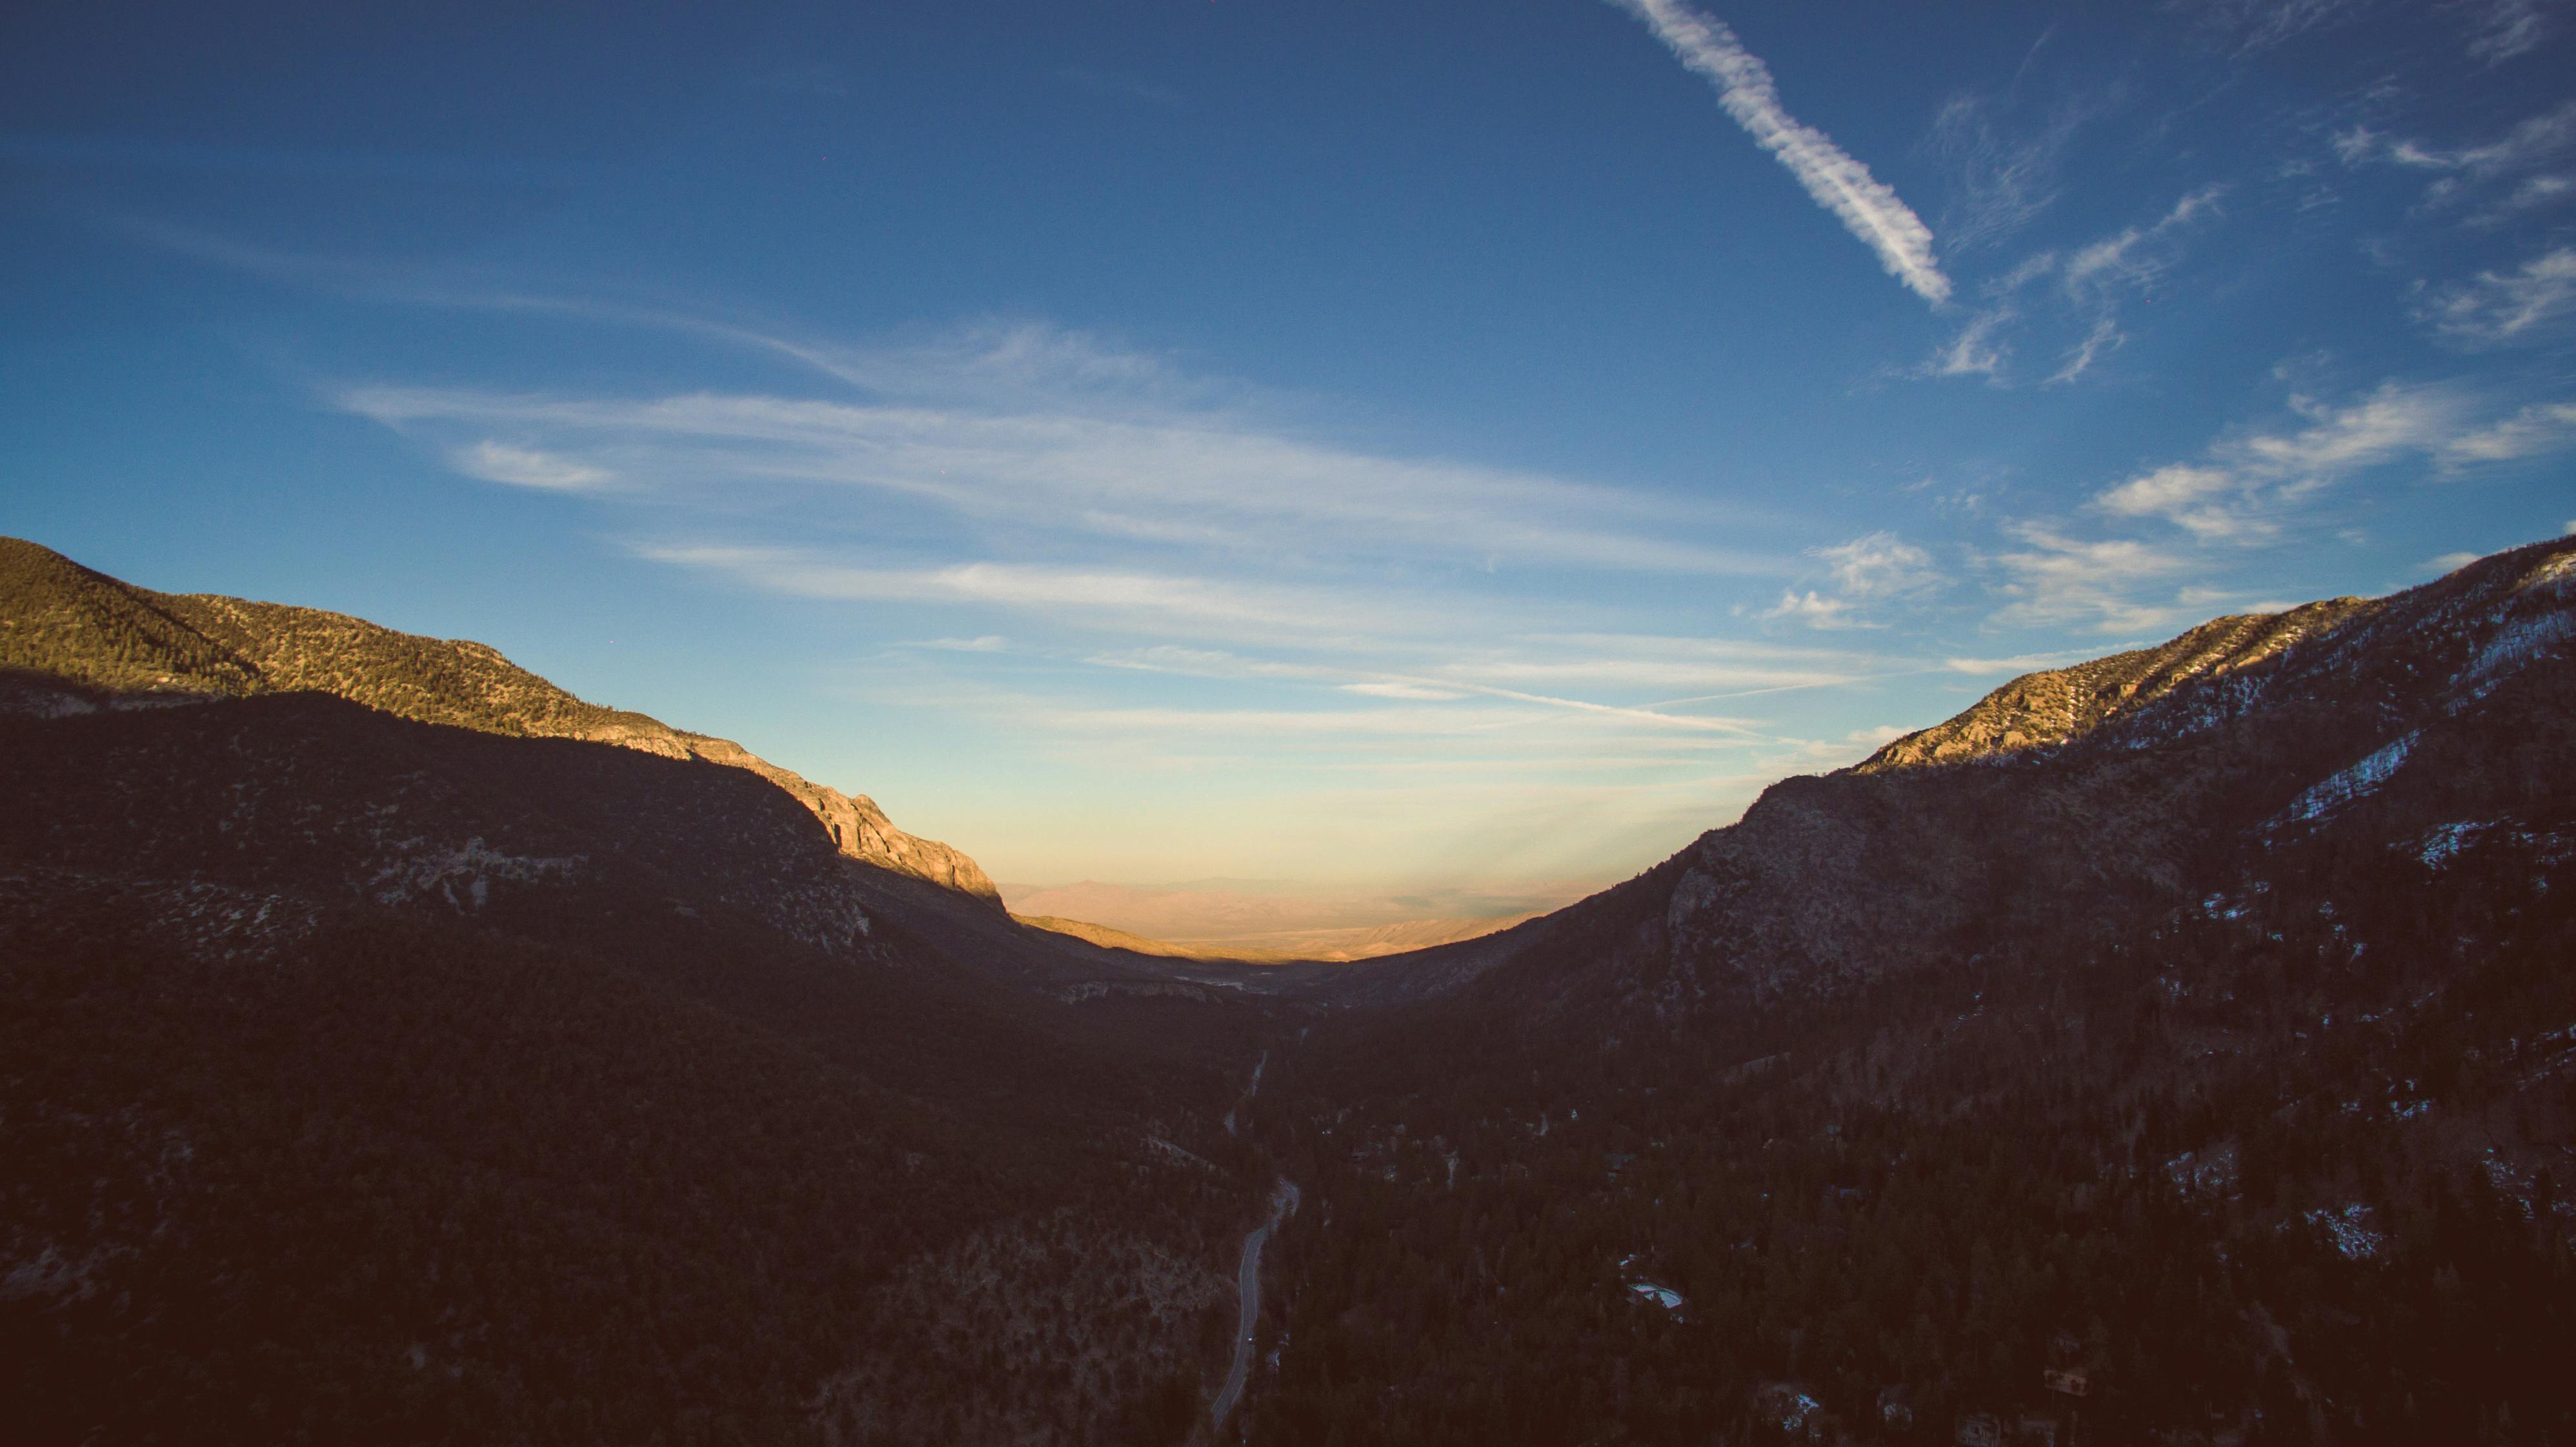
2245, 486
2503, 308
2002, 183
1144, 601
2247, 491
1867, 207
2086, 287
2532, 432
2532, 155
1457, 681
2057, 579
1046, 451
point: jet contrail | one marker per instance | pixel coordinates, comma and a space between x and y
1842, 185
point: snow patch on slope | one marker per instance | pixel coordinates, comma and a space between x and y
473, 864
2516, 645
2346, 785
2350, 1232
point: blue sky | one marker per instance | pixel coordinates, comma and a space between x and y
1421, 444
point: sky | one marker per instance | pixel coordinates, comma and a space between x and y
1404, 443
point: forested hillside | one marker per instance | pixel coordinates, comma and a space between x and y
2217, 1047
376, 1079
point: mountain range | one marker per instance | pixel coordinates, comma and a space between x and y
2178, 1046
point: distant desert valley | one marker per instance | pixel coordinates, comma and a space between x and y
1251, 919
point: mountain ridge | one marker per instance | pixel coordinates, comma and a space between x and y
73, 639
2211, 1045
1828, 880
2055, 706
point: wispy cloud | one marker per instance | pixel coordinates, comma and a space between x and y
1625, 666
2249, 489
1417, 691
2507, 28
2242, 488
2249, 26
2395, 420
1880, 565
1976, 351
1021, 429
2019, 662
2532, 432
2194, 496
2502, 308
1867, 207
2098, 278
526, 467
2054, 579
2000, 180
2524, 169
2084, 289
1049, 510
1876, 567
1170, 604
1811, 608
2105, 337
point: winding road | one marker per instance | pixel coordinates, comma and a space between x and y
1247, 1294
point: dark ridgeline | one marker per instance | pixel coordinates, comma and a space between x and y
399, 1048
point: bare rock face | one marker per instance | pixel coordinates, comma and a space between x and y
72, 639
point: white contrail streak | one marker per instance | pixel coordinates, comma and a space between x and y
1840, 184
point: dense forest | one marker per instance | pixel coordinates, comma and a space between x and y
2240, 1176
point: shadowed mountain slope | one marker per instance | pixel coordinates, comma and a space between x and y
2105, 782
94, 641
482, 1075
2209, 1043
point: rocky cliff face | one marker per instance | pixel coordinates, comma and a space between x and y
73, 640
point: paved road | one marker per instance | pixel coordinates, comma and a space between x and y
1247, 1295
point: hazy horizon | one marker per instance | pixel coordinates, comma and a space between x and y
1361, 450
